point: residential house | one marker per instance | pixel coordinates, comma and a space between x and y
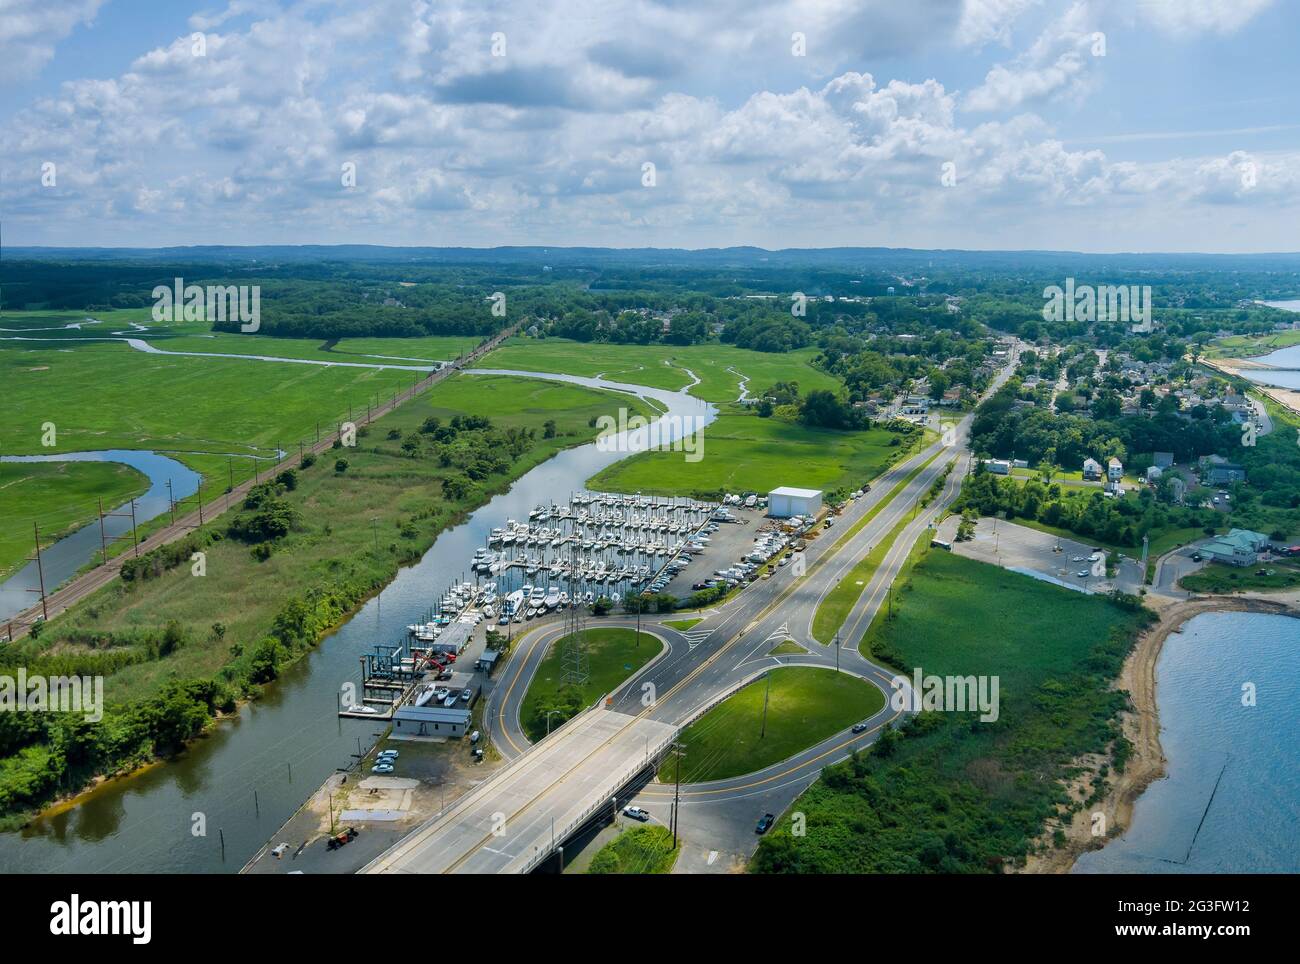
1114, 469
1091, 470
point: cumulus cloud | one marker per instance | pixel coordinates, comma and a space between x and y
30, 30
1195, 16
1057, 65
451, 144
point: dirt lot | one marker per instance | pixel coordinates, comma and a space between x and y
427, 778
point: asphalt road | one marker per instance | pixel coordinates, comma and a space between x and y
698, 668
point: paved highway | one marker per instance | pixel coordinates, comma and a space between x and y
696, 669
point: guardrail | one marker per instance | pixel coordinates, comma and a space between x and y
625, 777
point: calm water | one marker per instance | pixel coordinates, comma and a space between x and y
62, 560
1233, 771
1283, 358
142, 824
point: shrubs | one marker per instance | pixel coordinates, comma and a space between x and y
154, 563
274, 518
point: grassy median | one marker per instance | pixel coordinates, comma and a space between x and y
804, 707
612, 656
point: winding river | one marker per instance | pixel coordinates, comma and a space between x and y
284, 745
62, 560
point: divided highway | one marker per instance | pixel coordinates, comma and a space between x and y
562, 780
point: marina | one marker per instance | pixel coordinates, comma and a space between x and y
597, 546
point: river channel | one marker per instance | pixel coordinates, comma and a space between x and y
285, 744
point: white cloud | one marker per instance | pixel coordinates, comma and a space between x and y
1195, 16
1057, 65
983, 21
547, 144
30, 30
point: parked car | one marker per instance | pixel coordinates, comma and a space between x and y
466, 694
388, 754
765, 823
339, 839
382, 768
1084, 573
637, 813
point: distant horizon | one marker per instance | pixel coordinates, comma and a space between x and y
632, 248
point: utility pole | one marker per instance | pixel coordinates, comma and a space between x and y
103, 542
677, 790
135, 538
171, 501
837, 650
40, 570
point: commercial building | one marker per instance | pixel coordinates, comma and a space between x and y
430, 721
1240, 547
787, 501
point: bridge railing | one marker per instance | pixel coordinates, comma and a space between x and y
624, 777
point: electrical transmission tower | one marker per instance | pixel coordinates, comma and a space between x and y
573, 656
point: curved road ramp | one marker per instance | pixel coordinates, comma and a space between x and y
519, 816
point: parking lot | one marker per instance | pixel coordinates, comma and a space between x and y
732, 547
1040, 554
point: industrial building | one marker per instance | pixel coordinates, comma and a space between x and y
786, 501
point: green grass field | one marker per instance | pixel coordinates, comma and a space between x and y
666, 366
613, 656
804, 707
337, 541
1221, 580
956, 615
104, 394
1246, 346
950, 794
787, 648
745, 453
836, 605
681, 624
637, 850
57, 496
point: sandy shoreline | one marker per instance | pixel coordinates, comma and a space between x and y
1141, 724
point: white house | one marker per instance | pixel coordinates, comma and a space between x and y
1091, 470
1114, 469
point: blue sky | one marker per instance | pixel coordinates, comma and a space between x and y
1093, 125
